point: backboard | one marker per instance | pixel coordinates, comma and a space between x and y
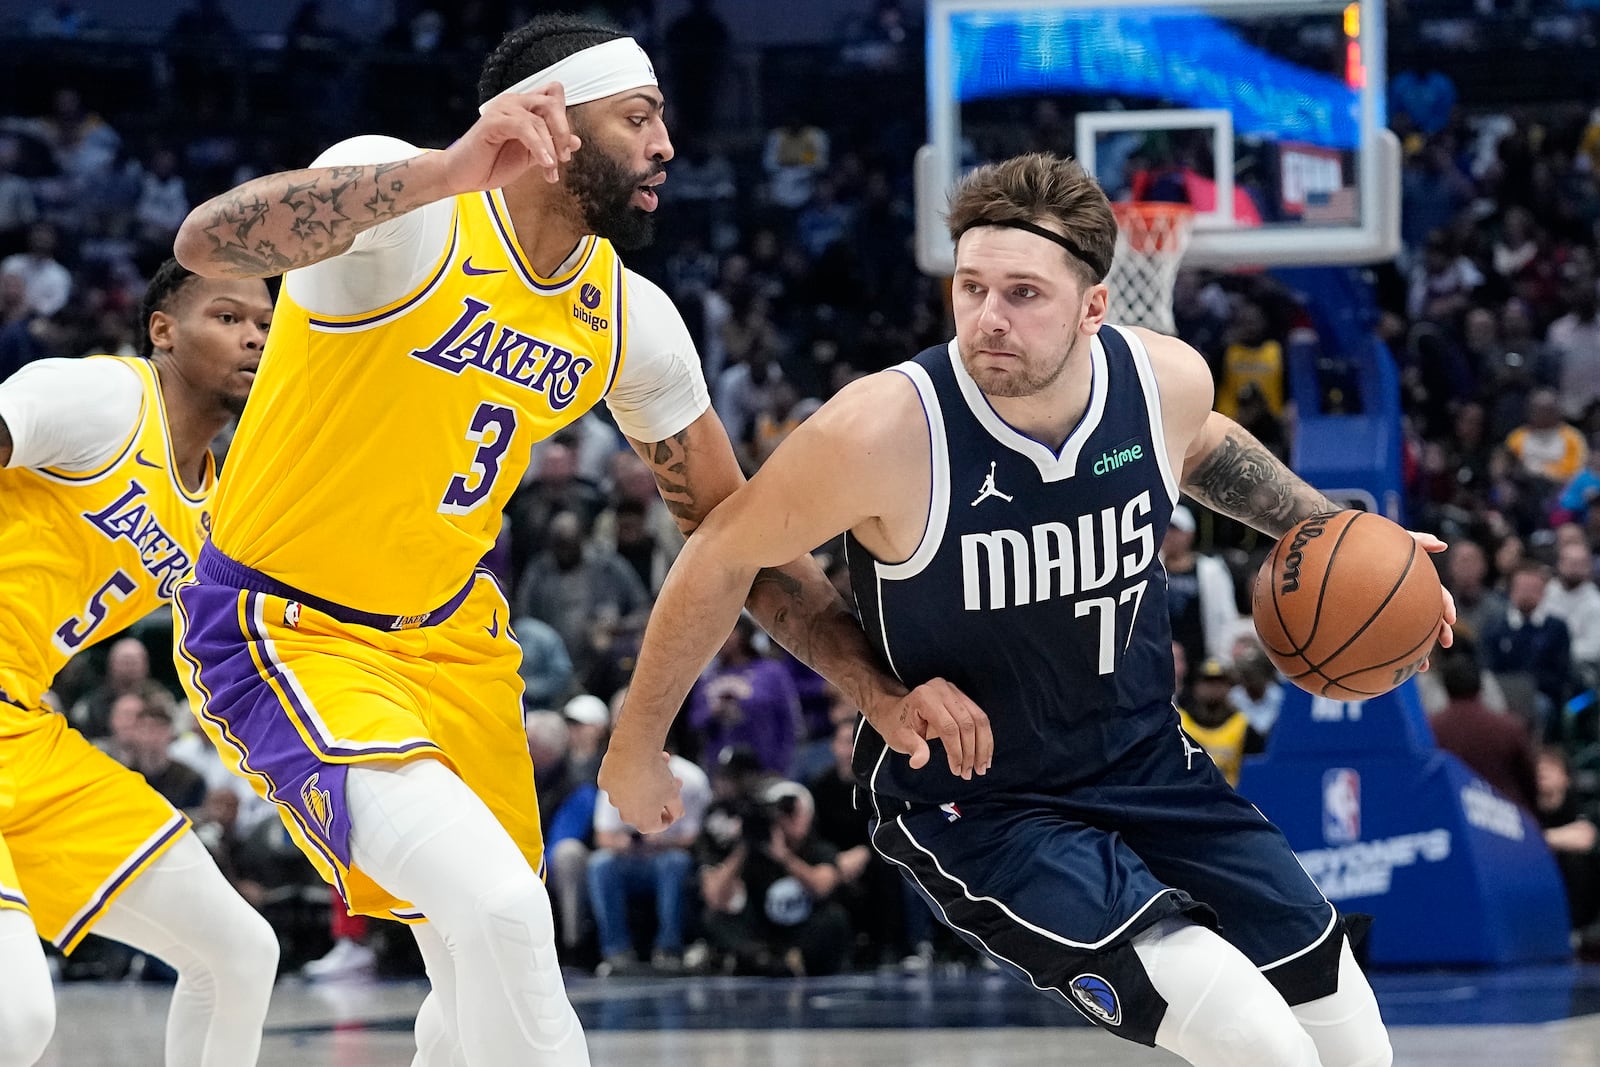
1266, 116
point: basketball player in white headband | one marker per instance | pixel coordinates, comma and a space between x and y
440, 313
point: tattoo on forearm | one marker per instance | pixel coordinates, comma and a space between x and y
269, 226
1242, 479
670, 461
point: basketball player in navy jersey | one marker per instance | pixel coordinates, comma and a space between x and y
1003, 499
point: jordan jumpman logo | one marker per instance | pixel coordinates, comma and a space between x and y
989, 489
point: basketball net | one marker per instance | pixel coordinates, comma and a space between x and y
1151, 240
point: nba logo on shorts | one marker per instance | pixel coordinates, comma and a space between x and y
589, 295
1341, 806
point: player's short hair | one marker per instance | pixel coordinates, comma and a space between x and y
1040, 187
535, 45
160, 295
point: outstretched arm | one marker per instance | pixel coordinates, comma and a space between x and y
279, 222
696, 470
831, 475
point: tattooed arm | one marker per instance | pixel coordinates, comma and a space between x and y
1231, 472
279, 222
292, 219
1219, 463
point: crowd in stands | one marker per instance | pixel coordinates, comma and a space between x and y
785, 242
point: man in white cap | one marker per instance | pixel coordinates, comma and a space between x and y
440, 313
1200, 597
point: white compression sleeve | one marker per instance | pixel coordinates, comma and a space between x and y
1346, 1025
182, 910
422, 834
438, 1041
27, 1003
1221, 1011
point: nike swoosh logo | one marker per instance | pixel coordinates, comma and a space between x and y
138, 457
468, 268
494, 624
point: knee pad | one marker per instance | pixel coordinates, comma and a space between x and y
1221, 1011
1346, 1025
516, 919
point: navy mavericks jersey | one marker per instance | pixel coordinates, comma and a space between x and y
1036, 588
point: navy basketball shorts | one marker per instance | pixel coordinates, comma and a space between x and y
1054, 887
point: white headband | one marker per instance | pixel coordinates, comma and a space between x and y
604, 70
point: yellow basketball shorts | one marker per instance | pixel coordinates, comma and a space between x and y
292, 696
76, 827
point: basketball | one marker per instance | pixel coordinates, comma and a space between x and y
1347, 605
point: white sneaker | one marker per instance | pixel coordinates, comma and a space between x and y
347, 959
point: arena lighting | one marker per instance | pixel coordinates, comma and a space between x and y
1355, 73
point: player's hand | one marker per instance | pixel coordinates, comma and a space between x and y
516, 132
937, 709
1447, 635
643, 789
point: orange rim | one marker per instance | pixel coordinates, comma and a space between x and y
1154, 226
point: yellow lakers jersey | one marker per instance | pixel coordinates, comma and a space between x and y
378, 451
85, 554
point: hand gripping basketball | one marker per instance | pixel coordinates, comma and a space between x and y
1349, 606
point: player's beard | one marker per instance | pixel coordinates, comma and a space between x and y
604, 190
1026, 377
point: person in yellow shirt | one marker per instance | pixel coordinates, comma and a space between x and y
105, 495
441, 312
1215, 723
1546, 447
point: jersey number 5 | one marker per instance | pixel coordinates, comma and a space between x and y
71, 635
493, 426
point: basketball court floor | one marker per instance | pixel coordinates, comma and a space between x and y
1527, 1017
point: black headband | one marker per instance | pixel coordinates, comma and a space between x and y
1092, 262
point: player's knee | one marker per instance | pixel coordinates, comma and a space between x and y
243, 958
27, 1021
517, 910
1225, 1037
518, 931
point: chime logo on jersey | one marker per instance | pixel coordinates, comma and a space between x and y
1125, 453
1097, 998
1055, 560
130, 516
478, 341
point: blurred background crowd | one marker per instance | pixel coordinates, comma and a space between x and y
785, 240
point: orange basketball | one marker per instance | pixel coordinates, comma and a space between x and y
1347, 605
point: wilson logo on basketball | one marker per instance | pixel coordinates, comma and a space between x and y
1297, 547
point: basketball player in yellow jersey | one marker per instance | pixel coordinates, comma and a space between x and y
441, 312
105, 487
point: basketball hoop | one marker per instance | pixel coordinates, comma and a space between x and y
1151, 240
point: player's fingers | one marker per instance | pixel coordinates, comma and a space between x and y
1449, 609
555, 115
948, 728
1428, 541
920, 753
532, 131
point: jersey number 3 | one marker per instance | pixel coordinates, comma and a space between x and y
493, 426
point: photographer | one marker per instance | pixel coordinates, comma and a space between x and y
768, 884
